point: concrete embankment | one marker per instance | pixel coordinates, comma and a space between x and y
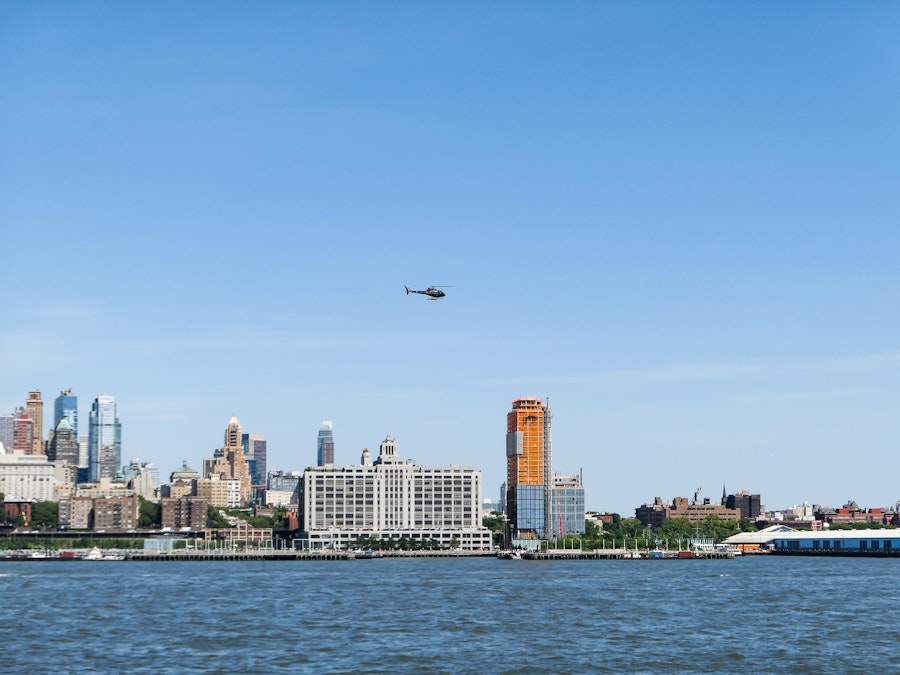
619, 554
308, 556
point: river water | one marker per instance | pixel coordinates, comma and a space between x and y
748, 615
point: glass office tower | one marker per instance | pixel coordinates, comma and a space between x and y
66, 407
325, 456
104, 439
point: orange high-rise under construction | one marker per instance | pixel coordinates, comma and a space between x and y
528, 468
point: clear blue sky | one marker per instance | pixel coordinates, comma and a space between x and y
678, 221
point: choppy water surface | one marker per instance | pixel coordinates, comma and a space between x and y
748, 615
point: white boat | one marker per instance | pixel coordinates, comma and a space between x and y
366, 555
96, 554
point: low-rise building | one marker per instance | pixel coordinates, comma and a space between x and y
839, 542
751, 542
653, 515
14, 508
852, 513
241, 534
600, 519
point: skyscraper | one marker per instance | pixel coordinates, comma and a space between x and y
254, 446
8, 431
234, 455
528, 469
35, 409
23, 432
66, 406
229, 464
63, 446
104, 439
84, 461
325, 456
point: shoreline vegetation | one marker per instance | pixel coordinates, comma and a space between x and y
621, 534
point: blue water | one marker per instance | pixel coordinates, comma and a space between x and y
750, 615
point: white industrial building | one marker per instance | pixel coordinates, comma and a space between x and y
392, 499
30, 477
784, 539
877, 542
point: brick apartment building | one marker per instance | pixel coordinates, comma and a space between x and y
184, 512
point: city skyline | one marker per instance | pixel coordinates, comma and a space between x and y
674, 222
527, 455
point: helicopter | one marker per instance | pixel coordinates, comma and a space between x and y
433, 292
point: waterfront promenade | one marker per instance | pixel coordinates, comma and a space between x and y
608, 554
313, 556
307, 556
620, 554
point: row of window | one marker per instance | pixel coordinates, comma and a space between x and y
350, 496
838, 545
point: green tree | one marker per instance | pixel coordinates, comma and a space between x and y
149, 514
631, 527
497, 525
675, 528
718, 529
592, 531
261, 521
216, 519
864, 525
45, 514
279, 520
